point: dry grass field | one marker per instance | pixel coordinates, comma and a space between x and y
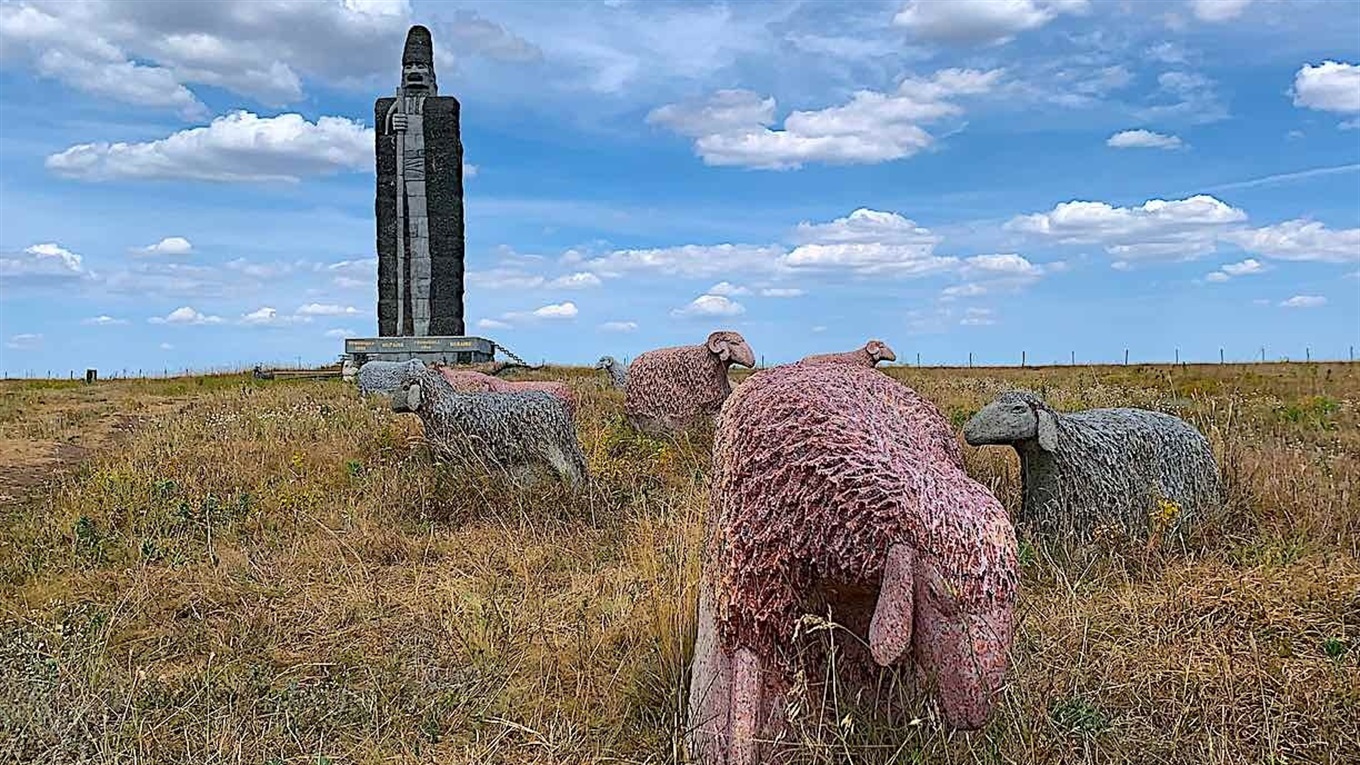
223, 570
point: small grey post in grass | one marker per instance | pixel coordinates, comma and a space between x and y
1101, 467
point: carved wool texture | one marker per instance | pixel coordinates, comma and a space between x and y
818, 470
676, 385
1112, 466
467, 381
505, 430
383, 376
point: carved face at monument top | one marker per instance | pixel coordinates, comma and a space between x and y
417, 63
418, 78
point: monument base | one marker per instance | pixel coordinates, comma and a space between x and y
430, 350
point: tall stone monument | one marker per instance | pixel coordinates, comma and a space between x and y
419, 205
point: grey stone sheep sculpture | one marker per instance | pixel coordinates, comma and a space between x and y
873, 352
837, 487
384, 376
518, 433
469, 381
1101, 467
669, 389
618, 374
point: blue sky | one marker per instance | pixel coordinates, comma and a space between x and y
191, 185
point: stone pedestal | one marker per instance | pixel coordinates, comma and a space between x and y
431, 350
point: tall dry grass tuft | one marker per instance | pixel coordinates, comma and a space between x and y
282, 573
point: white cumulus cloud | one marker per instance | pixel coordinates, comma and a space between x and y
170, 245
325, 309
1305, 301
967, 290
977, 317
1301, 240
1218, 10
728, 289
576, 281
147, 54
24, 341
1248, 266
355, 274
1331, 86
733, 128
1157, 229
711, 305
565, 310
1232, 270
185, 315
103, 321
619, 326
235, 147
1143, 139
974, 22
46, 263
867, 242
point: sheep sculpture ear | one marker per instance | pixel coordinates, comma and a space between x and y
413, 396
1048, 430
890, 628
717, 345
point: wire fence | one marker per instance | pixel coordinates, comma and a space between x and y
1022, 359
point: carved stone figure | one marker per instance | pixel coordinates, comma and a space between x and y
669, 389
618, 373
837, 488
520, 434
470, 381
419, 205
379, 376
1126, 468
873, 352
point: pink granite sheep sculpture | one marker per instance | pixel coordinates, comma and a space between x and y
873, 352
469, 381
838, 488
669, 389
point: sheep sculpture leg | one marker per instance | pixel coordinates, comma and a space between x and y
733, 698
890, 630
566, 467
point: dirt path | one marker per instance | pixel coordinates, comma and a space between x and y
67, 429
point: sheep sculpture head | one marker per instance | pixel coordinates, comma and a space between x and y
1014, 418
606, 362
407, 398
879, 351
731, 348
